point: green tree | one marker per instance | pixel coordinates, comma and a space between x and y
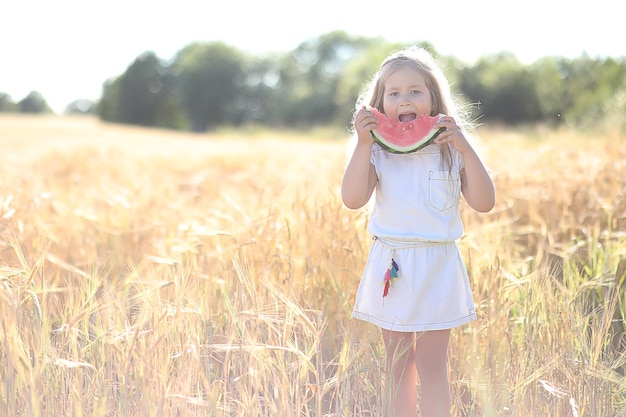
262, 92
80, 106
140, 86
33, 103
7, 104
107, 106
504, 88
549, 82
142, 95
319, 65
142, 91
591, 84
209, 77
614, 107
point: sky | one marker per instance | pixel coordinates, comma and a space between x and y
66, 49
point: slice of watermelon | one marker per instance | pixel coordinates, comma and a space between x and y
405, 137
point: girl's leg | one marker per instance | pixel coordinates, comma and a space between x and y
400, 349
431, 360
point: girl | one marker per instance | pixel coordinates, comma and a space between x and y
415, 223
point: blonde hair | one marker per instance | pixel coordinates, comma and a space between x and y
441, 95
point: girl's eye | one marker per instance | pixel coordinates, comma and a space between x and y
393, 93
415, 92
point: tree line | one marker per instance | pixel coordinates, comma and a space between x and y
212, 84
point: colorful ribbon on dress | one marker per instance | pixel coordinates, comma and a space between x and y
390, 276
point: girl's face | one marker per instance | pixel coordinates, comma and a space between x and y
405, 94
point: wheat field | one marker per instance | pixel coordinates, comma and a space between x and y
146, 272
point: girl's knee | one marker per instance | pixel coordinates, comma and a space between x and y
431, 357
430, 368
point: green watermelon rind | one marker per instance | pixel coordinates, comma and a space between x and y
432, 135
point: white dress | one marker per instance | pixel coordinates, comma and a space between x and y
415, 221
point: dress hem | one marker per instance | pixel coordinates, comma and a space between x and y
398, 327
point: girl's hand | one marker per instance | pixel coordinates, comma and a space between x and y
452, 135
364, 122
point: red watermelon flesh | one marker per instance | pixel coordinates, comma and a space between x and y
405, 137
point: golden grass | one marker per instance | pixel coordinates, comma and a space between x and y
145, 272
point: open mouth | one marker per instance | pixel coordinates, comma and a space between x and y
407, 117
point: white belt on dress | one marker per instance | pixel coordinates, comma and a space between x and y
408, 243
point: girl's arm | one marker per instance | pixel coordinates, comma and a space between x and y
476, 183
360, 177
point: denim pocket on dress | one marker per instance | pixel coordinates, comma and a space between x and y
444, 189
